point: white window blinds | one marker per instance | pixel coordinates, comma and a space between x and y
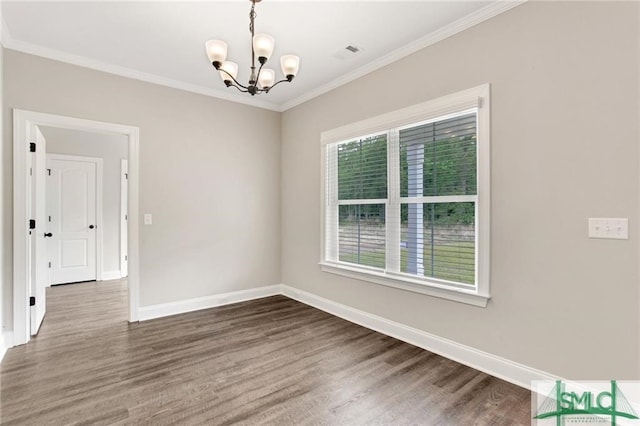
360, 170
438, 188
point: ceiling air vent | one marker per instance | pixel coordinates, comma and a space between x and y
349, 52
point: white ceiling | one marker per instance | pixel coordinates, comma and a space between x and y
163, 42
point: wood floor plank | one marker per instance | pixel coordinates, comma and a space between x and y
267, 361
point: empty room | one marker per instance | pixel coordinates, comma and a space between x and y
320, 212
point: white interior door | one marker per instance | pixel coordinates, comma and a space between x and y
124, 217
73, 221
40, 263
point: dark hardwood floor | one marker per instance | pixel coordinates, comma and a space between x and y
268, 361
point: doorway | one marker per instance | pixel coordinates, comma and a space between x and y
86, 240
29, 199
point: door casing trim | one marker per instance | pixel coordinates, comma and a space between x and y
124, 212
22, 119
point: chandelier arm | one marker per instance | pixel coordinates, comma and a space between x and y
237, 87
276, 83
233, 78
258, 74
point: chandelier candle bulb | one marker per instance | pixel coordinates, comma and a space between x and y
217, 51
260, 80
267, 78
290, 65
263, 45
231, 73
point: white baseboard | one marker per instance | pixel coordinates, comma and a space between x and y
111, 275
496, 366
189, 305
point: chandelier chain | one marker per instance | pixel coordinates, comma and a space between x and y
253, 78
252, 17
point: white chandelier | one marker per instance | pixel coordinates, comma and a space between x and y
262, 80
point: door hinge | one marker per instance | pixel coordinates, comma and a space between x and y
126, 217
32, 224
32, 301
32, 147
126, 176
126, 258
49, 264
49, 171
49, 218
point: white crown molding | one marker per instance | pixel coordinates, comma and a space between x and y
454, 28
10, 43
502, 368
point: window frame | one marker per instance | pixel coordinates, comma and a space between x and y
477, 98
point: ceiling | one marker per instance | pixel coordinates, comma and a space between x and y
163, 42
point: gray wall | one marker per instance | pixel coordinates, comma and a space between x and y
112, 149
210, 179
565, 111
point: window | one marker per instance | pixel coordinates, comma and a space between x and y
406, 198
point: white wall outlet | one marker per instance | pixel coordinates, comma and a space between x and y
148, 219
612, 228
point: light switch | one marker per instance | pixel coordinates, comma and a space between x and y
148, 219
613, 228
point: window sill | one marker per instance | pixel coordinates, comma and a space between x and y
470, 297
